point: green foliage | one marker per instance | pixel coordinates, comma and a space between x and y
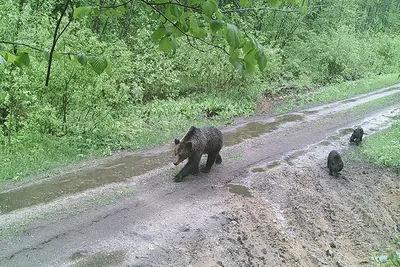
136, 74
388, 257
384, 147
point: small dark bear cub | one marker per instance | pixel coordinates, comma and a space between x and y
357, 135
335, 163
195, 143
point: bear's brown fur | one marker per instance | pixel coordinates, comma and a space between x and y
195, 143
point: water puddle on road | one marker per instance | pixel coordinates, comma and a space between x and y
346, 131
349, 100
325, 143
239, 190
255, 170
115, 171
114, 258
308, 112
256, 129
273, 164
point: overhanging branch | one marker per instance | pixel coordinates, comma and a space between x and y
188, 36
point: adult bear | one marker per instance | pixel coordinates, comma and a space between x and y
195, 143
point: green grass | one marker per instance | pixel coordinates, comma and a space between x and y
383, 148
380, 102
335, 92
387, 257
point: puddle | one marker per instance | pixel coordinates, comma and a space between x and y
239, 190
250, 130
308, 112
256, 129
273, 164
78, 255
258, 170
114, 258
349, 100
115, 171
293, 156
345, 131
324, 143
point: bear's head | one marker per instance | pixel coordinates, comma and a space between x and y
183, 150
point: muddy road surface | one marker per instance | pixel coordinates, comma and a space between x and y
270, 203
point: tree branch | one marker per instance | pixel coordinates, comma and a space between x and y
259, 8
56, 36
171, 3
115, 6
21, 44
184, 33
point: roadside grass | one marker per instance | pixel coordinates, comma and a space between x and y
335, 92
383, 101
387, 257
383, 148
158, 122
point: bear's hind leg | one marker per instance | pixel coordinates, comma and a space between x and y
210, 161
218, 160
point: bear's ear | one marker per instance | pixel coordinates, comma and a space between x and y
176, 141
189, 145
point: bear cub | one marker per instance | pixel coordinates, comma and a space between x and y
335, 163
357, 135
195, 143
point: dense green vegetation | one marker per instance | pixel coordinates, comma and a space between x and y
155, 82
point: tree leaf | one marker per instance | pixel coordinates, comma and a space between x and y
166, 44
195, 2
232, 36
173, 12
82, 11
238, 63
158, 34
245, 3
10, 58
22, 59
82, 58
261, 60
274, 3
108, 68
209, 7
303, 8
99, 63
216, 25
3, 62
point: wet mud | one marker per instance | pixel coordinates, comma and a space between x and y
115, 171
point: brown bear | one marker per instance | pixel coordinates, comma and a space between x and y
335, 163
195, 143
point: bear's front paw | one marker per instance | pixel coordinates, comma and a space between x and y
206, 170
178, 178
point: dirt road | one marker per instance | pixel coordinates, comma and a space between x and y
270, 203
